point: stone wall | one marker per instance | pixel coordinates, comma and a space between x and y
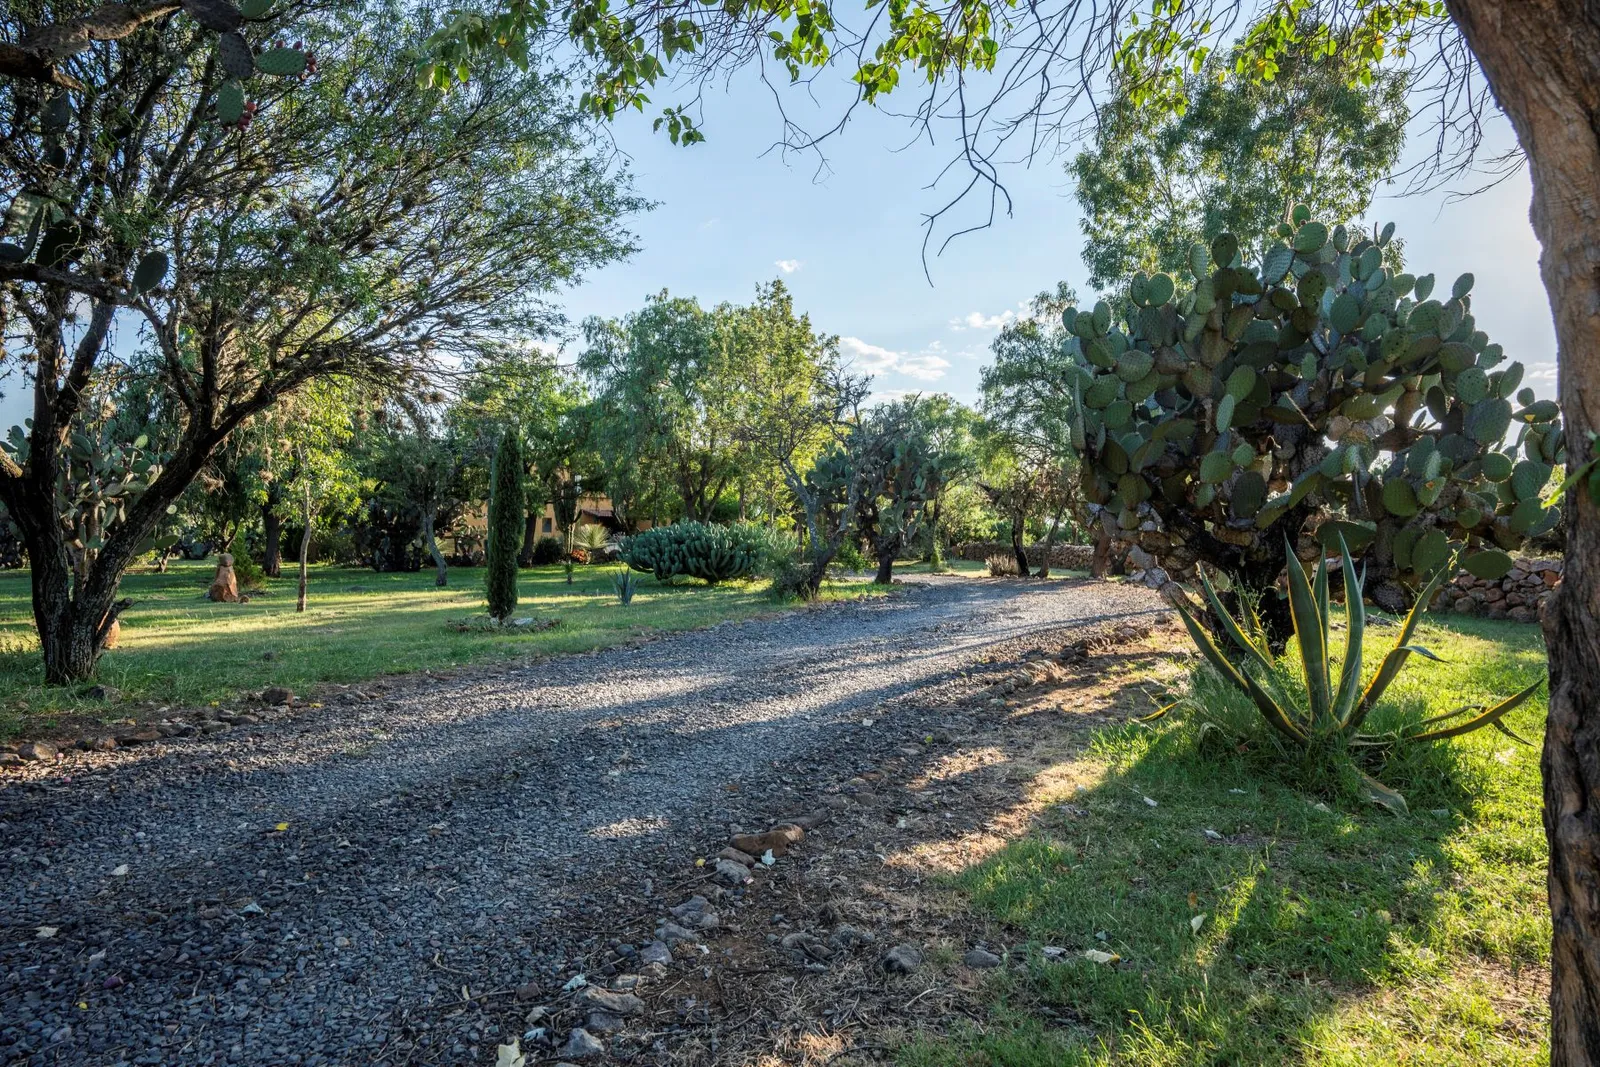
1518, 596
1062, 557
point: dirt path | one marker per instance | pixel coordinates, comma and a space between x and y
376, 883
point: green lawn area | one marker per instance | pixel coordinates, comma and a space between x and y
1332, 935
178, 648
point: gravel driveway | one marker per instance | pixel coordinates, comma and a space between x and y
353, 886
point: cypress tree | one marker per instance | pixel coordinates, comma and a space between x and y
505, 527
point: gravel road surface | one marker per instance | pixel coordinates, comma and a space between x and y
353, 886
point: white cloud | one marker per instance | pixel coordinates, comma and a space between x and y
871, 358
977, 320
925, 365
788, 266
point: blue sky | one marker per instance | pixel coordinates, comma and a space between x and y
848, 243
847, 240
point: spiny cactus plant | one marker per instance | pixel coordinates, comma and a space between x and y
1320, 394
103, 474
696, 550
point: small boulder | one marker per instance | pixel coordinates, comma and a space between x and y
594, 998
776, 840
697, 912
656, 952
902, 959
846, 938
599, 1022
142, 735
37, 751
736, 856
671, 932
731, 874
981, 959
277, 695
582, 1045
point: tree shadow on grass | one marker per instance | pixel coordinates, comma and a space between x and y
1256, 923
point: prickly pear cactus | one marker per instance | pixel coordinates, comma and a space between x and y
1317, 393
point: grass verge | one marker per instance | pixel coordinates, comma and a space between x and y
1257, 922
178, 648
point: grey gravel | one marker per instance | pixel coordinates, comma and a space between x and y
488, 833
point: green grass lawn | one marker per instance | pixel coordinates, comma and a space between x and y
178, 648
1336, 934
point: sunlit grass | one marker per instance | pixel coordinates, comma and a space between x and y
1334, 933
178, 648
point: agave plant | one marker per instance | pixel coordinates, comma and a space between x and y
626, 585
1337, 705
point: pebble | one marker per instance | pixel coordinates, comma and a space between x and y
980, 959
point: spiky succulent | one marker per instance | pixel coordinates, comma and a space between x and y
695, 550
1321, 393
1337, 703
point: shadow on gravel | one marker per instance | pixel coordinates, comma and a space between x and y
384, 888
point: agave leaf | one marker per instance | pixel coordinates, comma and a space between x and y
1276, 717
1379, 793
1389, 669
1425, 653
1312, 638
1356, 624
1319, 592
1231, 628
1253, 628
1509, 732
1488, 717
1159, 713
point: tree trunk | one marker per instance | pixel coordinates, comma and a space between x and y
1050, 543
272, 535
530, 537
305, 549
886, 556
1016, 547
441, 576
1101, 564
1542, 59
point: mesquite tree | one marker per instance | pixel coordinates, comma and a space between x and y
349, 223
505, 528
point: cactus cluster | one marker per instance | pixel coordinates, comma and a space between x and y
1322, 393
695, 550
100, 479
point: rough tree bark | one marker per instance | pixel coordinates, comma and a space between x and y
305, 548
272, 537
1542, 59
888, 550
1017, 524
441, 577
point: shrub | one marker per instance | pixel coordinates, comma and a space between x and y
1321, 394
248, 573
1335, 705
505, 528
849, 557
1002, 565
696, 550
547, 550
